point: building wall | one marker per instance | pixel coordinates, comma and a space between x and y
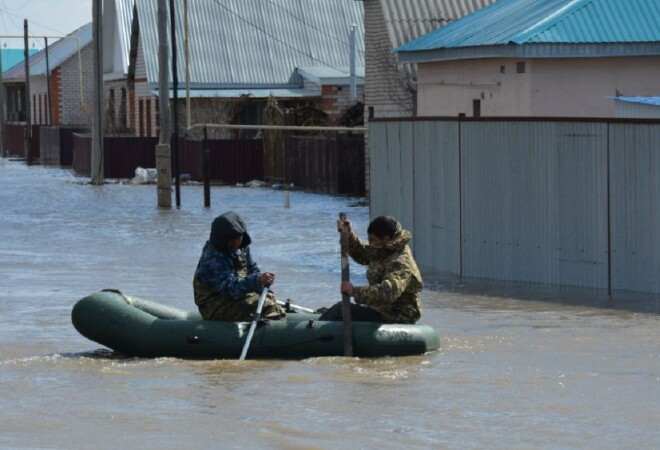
38, 99
335, 100
450, 88
74, 109
582, 87
385, 89
547, 88
116, 110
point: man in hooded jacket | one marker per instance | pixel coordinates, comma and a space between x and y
395, 283
227, 281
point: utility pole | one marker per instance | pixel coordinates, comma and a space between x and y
2, 109
97, 121
186, 46
163, 154
175, 107
353, 52
28, 116
49, 119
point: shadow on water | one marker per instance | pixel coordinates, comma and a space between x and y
566, 296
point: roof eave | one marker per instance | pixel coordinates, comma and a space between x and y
528, 51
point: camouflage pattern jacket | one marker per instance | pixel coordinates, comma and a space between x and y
227, 286
395, 282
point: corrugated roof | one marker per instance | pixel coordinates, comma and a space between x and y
327, 75
254, 93
651, 101
255, 43
408, 20
13, 56
58, 52
124, 11
520, 22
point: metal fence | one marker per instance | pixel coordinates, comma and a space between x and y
564, 202
56, 143
333, 165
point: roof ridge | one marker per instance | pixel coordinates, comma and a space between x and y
551, 20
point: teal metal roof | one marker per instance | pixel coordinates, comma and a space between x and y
548, 22
12, 56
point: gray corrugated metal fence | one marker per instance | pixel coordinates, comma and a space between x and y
554, 202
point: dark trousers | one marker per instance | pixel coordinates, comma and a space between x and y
359, 313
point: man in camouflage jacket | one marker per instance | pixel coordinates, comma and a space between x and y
227, 281
395, 283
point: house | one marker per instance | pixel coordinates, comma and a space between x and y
70, 62
117, 89
530, 58
10, 58
242, 52
391, 85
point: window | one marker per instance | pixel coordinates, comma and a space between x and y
476, 108
148, 117
140, 117
521, 67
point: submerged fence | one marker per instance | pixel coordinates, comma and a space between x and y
565, 202
317, 163
14, 141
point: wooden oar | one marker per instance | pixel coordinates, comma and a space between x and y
345, 299
253, 326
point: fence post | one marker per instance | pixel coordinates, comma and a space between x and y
206, 172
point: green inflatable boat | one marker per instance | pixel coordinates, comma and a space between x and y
136, 327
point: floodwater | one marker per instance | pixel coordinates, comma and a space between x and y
511, 373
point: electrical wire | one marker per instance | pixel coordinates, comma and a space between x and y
307, 24
275, 38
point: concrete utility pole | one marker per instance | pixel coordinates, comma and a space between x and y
28, 108
2, 109
97, 121
163, 154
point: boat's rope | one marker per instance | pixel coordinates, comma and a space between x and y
120, 293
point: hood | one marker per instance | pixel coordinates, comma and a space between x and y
226, 227
395, 245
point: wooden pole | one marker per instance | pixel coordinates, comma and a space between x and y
175, 107
206, 170
97, 121
2, 110
186, 46
163, 152
28, 103
345, 299
353, 52
49, 116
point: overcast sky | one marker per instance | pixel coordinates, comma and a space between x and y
52, 17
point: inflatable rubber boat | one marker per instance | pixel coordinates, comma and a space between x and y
136, 327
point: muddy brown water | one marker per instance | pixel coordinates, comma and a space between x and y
516, 370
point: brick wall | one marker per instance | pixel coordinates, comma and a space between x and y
385, 89
335, 100
73, 111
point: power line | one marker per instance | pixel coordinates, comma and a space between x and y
307, 24
6, 10
273, 37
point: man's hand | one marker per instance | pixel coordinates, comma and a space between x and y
346, 288
266, 279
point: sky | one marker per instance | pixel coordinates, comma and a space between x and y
51, 17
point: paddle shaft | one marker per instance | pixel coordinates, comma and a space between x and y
253, 325
345, 299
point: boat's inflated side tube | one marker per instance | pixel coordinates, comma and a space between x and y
141, 328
